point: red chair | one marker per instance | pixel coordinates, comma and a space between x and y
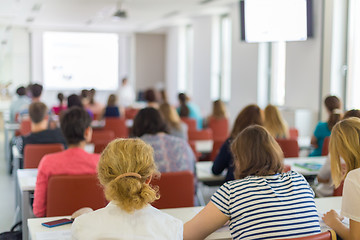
130, 113
176, 190
205, 134
118, 126
328, 235
339, 190
216, 148
190, 122
294, 133
101, 138
68, 193
286, 168
25, 127
325, 147
290, 147
33, 153
220, 128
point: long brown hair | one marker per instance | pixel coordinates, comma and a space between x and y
170, 115
274, 122
333, 105
250, 115
219, 109
257, 153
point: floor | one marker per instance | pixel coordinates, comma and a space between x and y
7, 191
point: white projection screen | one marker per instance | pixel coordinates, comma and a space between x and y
80, 60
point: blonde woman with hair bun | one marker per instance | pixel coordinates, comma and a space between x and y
275, 123
125, 170
345, 145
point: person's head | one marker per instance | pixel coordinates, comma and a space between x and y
21, 91
257, 153
150, 95
91, 96
333, 107
274, 122
75, 125
182, 98
74, 100
148, 121
36, 90
111, 100
60, 97
125, 170
345, 144
170, 115
250, 115
84, 93
219, 109
124, 81
37, 112
352, 113
184, 109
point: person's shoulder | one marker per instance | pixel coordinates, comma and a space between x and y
353, 175
164, 217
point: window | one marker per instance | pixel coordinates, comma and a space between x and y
221, 59
186, 43
277, 80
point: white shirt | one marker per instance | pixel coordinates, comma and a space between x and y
113, 223
126, 96
351, 196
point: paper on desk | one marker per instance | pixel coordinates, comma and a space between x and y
54, 235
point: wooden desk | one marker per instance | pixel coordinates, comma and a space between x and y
184, 214
301, 160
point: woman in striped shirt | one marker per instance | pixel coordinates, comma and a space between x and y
262, 203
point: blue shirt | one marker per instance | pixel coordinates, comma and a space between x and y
321, 132
194, 112
268, 207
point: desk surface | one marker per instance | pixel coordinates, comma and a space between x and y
184, 214
27, 179
301, 160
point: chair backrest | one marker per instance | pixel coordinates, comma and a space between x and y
325, 147
101, 138
118, 126
190, 122
294, 133
339, 190
220, 128
176, 190
216, 148
205, 134
286, 168
33, 153
25, 127
130, 113
68, 193
290, 147
328, 235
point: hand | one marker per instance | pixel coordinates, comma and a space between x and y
331, 217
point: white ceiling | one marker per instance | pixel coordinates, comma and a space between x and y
143, 15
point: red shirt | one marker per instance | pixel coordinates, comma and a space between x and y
73, 161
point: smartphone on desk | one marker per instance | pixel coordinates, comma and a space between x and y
57, 222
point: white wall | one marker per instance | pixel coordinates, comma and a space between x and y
172, 62
150, 52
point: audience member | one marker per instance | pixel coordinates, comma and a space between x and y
190, 110
263, 202
125, 170
75, 101
19, 104
176, 127
218, 111
172, 154
151, 97
111, 109
323, 129
345, 145
35, 91
95, 107
84, 97
75, 125
275, 123
40, 134
250, 115
325, 188
126, 94
61, 106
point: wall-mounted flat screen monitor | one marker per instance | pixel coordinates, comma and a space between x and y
275, 20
